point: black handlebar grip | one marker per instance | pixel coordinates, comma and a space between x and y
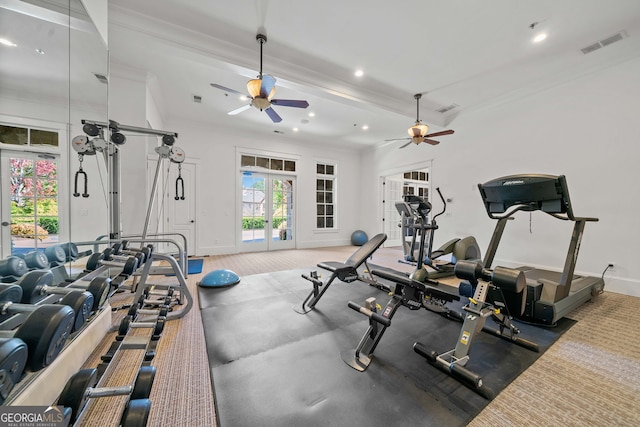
370, 314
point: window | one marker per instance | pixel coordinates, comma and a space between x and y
416, 183
271, 163
325, 196
24, 136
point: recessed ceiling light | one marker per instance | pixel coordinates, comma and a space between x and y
7, 43
539, 37
40, 51
312, 114
244, 98
359, 73
365, 127
295, 129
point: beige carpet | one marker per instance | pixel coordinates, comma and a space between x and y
588, 378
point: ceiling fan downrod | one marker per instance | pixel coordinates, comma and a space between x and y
262, 39
417, 96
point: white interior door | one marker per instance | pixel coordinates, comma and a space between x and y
392, 193
181, 203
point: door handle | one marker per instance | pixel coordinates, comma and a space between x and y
5, 223
192, 221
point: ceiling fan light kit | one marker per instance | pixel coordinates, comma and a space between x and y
418, 132
261, 91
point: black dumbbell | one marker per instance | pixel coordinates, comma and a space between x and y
104, 258
12, 267
35, 260
44, 330
98, 287
38, 284
124, 248
129, 322
82, 386
13, 359
115, 253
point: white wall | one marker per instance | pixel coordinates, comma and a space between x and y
215, 146
127, 105
585, 130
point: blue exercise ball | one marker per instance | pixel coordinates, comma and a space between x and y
359, 238
219, 279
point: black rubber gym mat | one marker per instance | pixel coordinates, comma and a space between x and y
273, 367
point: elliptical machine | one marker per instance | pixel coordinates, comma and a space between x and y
414, 211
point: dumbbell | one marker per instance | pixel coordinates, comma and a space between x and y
104, 258
13, 360
35, 260
129, 322
45, 329
56, 255
123, 247
114, 253
82, 386
38, 284
12, 267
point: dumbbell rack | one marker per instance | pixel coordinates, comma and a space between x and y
181, 289
43, 387
103, 404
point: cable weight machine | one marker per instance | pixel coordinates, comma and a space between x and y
94, 141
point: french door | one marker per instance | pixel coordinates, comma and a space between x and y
392, 193
29, 201
268, 212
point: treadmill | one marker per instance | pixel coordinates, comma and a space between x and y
551, 295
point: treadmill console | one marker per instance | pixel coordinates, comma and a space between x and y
528, 192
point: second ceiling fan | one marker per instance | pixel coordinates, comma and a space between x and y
418, 132
261, 91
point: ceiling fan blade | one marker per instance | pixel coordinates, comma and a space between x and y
226, 89
268, 82
290, 103
444, 132
239, 110
273, 115
431, 141
404, 145
397, 139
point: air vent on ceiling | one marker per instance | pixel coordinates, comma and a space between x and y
447, 108
197, 99
604, 42
101, 78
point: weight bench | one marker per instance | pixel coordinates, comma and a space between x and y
345, 271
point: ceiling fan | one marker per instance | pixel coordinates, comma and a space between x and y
261, 91
418, 132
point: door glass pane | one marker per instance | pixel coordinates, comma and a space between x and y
34, 204
253, 209
282, 209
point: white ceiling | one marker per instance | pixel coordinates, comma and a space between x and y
470, 53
